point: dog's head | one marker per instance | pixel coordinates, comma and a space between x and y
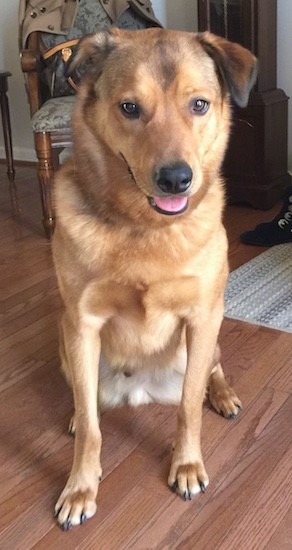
157, 102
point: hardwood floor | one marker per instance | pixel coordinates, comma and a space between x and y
248, 502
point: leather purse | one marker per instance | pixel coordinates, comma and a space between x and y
53, 70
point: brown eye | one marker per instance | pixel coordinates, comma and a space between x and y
199, 106
129, 109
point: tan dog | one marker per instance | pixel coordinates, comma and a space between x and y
139, 248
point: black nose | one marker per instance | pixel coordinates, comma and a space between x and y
174, 179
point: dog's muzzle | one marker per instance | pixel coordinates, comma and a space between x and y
174, 182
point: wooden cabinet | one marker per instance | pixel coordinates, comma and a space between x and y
255, 166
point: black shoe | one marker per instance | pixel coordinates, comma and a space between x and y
277, 231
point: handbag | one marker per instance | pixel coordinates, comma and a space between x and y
53, 71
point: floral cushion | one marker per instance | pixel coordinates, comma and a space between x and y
55, 114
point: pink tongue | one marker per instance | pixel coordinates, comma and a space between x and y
171, 204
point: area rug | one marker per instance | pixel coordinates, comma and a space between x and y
260, 291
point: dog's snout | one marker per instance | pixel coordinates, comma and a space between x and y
174, 179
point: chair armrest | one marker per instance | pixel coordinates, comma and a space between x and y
32, 84
30, 60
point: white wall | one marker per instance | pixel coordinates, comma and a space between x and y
284, 61
9, 59
177, 14
181, 14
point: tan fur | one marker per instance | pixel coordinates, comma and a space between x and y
143, 291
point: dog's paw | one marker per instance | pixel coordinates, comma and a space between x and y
188, 479
75, 506
225, 401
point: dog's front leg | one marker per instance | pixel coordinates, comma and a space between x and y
187, 474
77, 501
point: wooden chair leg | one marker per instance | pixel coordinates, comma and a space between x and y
46, 179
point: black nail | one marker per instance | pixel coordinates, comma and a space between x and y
83, 518
174, 487
202, 486
66, 525
186, 495
56, 513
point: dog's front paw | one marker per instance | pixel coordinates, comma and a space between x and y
188, 479
75, 505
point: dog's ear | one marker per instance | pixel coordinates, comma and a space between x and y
236, 66
91, 52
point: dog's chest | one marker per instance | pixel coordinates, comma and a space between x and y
147, 319
139, 329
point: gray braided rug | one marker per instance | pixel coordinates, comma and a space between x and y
260, 291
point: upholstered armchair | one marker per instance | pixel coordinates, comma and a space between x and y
51, 116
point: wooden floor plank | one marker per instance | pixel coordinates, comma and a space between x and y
174, 518
272, 497
281, 539
237, 495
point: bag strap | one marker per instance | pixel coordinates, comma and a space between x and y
60, 47
72, 83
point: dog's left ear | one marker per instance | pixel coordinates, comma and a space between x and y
237, 66
91, 53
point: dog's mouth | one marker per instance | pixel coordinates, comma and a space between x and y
169, 206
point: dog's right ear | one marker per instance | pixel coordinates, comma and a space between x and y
236, 66
92, 51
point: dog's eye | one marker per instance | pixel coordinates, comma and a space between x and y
129, 109
199, 106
